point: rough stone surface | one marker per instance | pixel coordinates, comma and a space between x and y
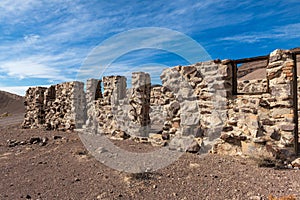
59, 107
195, 101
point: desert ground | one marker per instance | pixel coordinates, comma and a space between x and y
39, 164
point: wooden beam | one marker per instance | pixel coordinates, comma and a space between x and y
295, 106
234, 78
245, 60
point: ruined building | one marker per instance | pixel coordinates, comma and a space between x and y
209, 101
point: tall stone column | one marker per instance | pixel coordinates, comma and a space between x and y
34, 105
93, 93
114, 91
140, 104
280, 76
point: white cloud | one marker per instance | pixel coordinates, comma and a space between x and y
289, 31
14, 10
51, 36
31, 39
30, 69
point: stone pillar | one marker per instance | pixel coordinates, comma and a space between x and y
65, 106
93, 94
78, 106
140, 103
160, 98
280, 76
34, 105
114, 91
93, 90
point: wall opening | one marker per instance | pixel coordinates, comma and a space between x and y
250, 75
296, 93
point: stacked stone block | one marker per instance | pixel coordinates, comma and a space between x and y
213, 93
262, 124
114, 91
195, 100
159, 99
139, 101
65, 106
210, 84
93, 94
35, 109
252, 86
59, 107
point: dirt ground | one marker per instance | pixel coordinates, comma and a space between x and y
38, 164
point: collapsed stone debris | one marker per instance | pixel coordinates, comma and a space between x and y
195, 101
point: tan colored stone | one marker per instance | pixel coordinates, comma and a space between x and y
296, 163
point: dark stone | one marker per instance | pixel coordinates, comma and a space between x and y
266, 162
188, 70
77, 179
246, 110
264, 104
165, 136
175, 106
193, 148
275, 136
56, 137
205, 112
268, 122
227, 128
166, 128
44, 141
233, 123
34, 140
233, 139
199, 132
217, 61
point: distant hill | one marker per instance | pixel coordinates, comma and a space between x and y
252, 70
256, 69
11, 103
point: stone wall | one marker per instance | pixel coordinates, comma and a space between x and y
101, 106
118, 110
200, 92
195, 100
139, 101
59, 107
252, 86
263, 124
35, 109
160, 97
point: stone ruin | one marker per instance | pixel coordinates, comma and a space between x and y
59, 107
204, 100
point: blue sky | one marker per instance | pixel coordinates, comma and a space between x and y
45, 42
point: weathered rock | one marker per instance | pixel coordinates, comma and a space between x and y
195, 100
296, 163
193, 148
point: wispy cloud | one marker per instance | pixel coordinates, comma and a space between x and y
50, 39
30, 69
289, 31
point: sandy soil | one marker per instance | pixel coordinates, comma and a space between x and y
61, 168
